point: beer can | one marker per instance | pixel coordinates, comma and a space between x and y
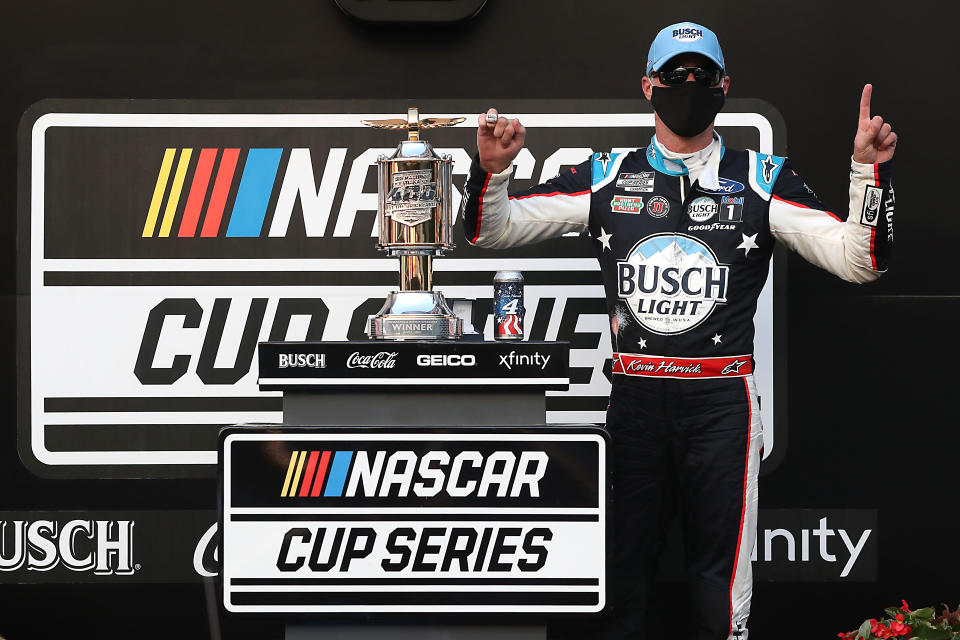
508, 305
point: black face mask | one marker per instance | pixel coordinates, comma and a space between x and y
689, 108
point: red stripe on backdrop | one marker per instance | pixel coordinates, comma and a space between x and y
308, 476
221, 188
198, 191
321, 472
743, 508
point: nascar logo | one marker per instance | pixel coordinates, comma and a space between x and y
311, 474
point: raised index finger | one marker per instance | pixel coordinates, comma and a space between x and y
865, 102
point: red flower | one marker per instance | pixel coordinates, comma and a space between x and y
905, 606
899, 617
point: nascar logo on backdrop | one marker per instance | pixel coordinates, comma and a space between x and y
196, 233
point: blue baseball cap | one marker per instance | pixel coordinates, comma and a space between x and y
683, 37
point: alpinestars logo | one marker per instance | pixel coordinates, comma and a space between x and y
671, 282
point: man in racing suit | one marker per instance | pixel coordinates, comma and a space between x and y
684, 230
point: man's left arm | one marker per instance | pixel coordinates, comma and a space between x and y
855, 246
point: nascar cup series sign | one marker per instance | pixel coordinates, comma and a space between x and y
160, 241
463, 520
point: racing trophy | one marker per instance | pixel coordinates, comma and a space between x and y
415, 218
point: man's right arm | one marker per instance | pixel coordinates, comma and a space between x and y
496, 220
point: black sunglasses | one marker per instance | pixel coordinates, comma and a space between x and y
706, 77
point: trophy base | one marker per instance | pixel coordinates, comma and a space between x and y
415, 315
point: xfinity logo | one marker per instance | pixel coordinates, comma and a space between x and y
839, 547
441, 360
311, 360
381, 360
524, 360
104, 547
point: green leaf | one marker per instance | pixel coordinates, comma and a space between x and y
930, 633
864, 632
926, 613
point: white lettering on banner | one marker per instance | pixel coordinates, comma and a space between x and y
381, 360
442, 360
298, 182
512, 359
42, 545
297, 360
768, 537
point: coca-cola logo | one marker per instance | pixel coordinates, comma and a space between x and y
206, 556
381, 360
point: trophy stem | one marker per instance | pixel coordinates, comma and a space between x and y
416, 273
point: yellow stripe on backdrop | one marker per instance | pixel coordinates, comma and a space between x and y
290, 468
296, 476
174, 198
158, 191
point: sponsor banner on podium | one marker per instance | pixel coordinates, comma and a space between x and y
465, 365
415, 520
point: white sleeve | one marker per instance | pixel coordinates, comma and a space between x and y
854, 248
496, 220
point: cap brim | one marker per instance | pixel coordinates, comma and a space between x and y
665, 59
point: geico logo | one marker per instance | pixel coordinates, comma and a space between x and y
442, 548
468, 473
297, 191
312, 360
105, 546
451, 360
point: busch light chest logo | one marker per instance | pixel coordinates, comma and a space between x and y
671, 282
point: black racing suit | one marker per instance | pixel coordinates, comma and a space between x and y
682, 269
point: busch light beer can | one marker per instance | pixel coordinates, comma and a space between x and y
508, 305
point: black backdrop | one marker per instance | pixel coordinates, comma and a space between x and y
871, 380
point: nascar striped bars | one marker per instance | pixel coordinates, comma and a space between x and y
414, 213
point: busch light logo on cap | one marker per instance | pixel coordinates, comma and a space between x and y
671, 282
687, 34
